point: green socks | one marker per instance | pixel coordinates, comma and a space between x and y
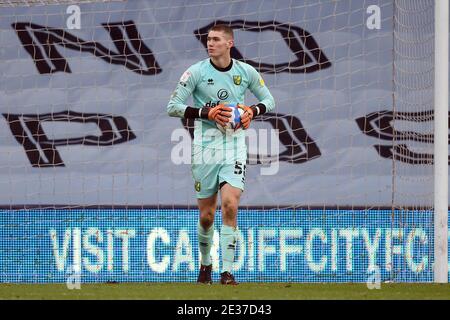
228, 247
205, 240
228, 240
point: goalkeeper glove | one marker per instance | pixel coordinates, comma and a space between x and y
219, 114
247, 116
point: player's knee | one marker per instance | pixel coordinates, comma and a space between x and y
229, 208
207, 218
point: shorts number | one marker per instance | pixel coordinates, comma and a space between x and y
240, 168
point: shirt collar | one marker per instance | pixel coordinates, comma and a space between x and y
227, 68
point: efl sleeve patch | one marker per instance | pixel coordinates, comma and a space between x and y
185, 76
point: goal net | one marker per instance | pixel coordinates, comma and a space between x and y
95, 178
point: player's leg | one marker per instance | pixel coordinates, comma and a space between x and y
205, 229
230, 197
231, 181
206, 187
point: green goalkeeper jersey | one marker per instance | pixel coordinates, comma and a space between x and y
209, 86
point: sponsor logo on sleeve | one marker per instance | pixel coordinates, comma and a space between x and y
184, 78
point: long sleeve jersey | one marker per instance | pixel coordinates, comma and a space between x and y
210, 85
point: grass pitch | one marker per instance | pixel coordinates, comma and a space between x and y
250, 291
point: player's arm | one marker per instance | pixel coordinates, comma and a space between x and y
177, 104
262, 93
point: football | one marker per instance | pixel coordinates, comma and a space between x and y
234, 124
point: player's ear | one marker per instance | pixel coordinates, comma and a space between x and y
230, 43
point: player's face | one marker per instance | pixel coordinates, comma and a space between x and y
219, 44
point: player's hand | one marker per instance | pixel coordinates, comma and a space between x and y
247, 116
220, 114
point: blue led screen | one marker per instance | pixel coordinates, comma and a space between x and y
116, 245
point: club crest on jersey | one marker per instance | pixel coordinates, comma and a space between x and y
237, 80
197, 186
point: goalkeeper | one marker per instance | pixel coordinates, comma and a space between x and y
218, 160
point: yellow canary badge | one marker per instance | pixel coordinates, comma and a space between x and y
261, 82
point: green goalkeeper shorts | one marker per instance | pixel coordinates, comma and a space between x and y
211, 168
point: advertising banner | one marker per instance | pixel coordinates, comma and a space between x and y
161, 245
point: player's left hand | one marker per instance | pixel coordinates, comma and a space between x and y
247, 116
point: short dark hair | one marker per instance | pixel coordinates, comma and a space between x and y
224, 28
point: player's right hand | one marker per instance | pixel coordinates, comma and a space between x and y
220, 114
